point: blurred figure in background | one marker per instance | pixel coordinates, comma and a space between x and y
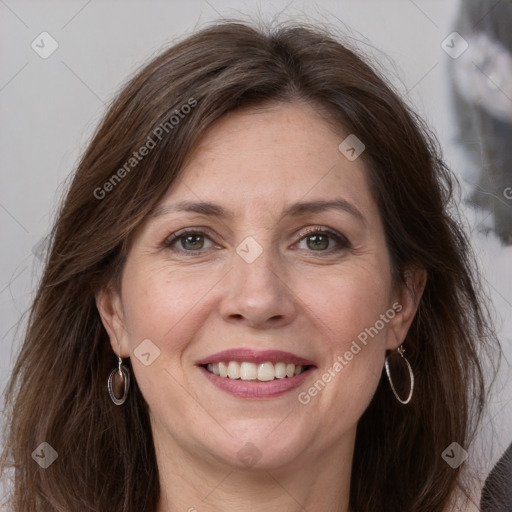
482, 98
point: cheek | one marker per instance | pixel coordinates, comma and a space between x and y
168, 308
347, 303
349, 307
160, 301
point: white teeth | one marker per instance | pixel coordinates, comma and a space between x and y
233, 370
223, 369
251, 371
266, 371
280, 369
248, 371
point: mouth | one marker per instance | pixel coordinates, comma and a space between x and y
263, 372
247, 373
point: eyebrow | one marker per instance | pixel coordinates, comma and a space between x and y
294, 210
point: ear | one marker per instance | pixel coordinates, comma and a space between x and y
110, 308
406, 300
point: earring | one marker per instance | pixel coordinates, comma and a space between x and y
119, 381
401, 351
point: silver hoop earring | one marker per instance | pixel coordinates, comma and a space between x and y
401, 351
119, 380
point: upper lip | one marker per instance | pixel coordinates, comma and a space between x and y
255, 356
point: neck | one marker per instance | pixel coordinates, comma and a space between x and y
313, 482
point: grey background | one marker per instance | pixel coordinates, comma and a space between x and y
50, 107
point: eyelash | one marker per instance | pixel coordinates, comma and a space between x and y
342, 241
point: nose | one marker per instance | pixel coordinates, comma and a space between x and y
258, 294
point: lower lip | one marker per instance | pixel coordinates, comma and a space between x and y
255, 388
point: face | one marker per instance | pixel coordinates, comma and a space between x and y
249, 277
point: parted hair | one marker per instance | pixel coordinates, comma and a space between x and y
57, 391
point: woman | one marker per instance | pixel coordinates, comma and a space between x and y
254, 299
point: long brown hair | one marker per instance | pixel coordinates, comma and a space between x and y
57, 393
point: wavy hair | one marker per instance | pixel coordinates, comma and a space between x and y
57, 391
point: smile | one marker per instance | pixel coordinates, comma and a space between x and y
263, 372
256, 374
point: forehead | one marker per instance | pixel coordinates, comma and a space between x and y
269, 156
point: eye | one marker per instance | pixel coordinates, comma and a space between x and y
318, 240
190, 240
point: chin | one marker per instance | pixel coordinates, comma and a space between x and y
262, 451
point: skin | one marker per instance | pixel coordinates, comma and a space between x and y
296, 296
